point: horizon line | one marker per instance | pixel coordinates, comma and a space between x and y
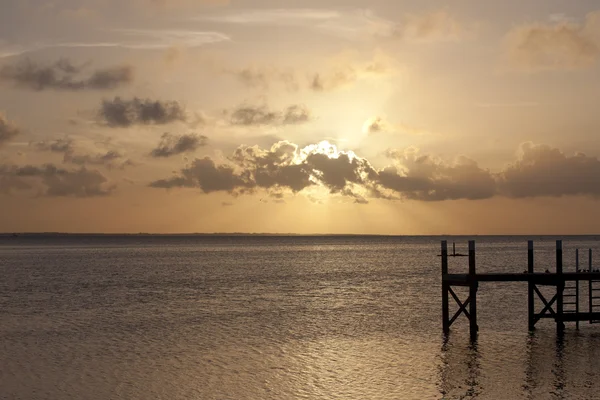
58, 233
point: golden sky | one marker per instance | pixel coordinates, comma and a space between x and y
329, 116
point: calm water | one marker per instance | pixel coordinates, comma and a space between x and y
275, 318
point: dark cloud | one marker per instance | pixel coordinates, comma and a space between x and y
106, 159
124, 113
545, 171
375, 125
333, 80
262, 78
109, 159
296, 114
171, 145
56, 146
203, 173
283, 167
248, 115
273, 168
286, 169
251, 77
8, 130
422, 177
63, 75
251, 115
336, 173
49, 180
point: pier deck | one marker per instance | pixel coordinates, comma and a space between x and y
540, 278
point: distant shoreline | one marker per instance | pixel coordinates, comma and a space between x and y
247, 234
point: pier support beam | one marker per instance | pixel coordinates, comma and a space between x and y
473, 283
531, 286
560, 286
445, 290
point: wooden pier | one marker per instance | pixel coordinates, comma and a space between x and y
553, 308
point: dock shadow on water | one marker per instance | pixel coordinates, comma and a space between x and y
559, 366
459, 369
553, 367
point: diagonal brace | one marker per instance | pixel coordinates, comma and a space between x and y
548, 305
462, 307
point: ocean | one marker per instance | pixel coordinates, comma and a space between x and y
277, 317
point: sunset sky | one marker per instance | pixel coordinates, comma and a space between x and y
289, 116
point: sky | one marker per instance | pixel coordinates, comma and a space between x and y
289, 116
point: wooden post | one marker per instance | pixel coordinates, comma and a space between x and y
445, 287
560, 285
577, 289
590, 284
473, 328
530, 285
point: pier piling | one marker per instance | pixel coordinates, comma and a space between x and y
560, 286
473, 328
530, 287
445, 287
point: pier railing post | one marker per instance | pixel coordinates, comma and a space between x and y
530, 286
473, 328
445, 305
560, 285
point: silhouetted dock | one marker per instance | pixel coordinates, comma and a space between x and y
566, 283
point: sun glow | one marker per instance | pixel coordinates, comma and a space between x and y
326, 148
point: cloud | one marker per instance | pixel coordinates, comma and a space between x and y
171, 145
109, 159
363, 24
296, 114
286, 169
165, 39
347, 71
375, 125
341, 77
63, 75
263, 77
206, 175
8, 130
518, 104
541, 170
423, 177
279, 16
123, 113
49, 180
272, 169
249, 115
343, 74
436, 25
56, 146
349, 24
135, 39
162, 4
561, 45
